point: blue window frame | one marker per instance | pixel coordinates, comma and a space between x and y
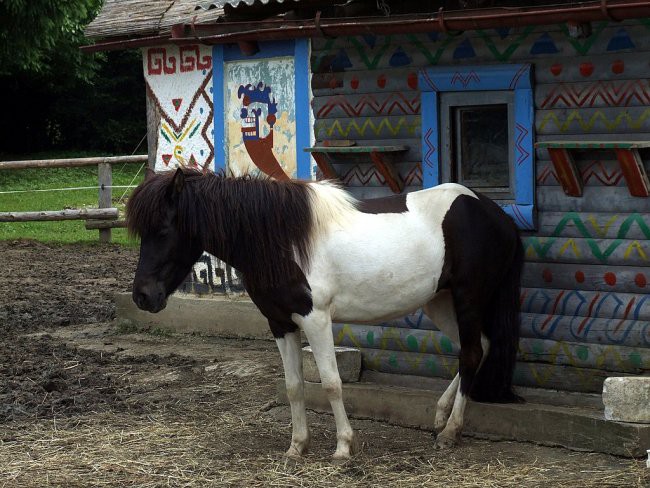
514, 79
299, 49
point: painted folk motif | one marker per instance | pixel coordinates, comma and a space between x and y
260, 121
179, 81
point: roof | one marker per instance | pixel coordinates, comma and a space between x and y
139, 18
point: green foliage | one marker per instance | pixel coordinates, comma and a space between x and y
43, 36
49, 178
58, 96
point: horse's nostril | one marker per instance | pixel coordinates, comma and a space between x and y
139, 299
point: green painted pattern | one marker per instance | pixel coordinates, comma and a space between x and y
510, 49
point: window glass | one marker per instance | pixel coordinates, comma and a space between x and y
482, 145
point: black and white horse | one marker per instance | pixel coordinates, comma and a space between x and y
309, 254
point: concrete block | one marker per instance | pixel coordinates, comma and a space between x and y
627, 399
348, 360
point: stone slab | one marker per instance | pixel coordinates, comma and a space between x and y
190, 314
348, 360
627, 399
575, 428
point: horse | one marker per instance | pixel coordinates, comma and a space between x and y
309, 254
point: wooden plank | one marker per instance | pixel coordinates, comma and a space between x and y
105, 178
580, 276
565, 169
53, 215
359, 83
73, 162
634, 171
593, 144
588, 330
385, 167
584, 355
542, 153
597, 225
326, 169
354, 149
540, 375
595, 66
612, 199
626, 252
611, 121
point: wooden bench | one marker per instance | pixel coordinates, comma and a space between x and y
381, 156
627, 154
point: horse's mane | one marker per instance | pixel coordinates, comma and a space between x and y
254, 224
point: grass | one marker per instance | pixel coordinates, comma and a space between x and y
27, 180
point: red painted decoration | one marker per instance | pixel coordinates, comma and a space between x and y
610, 278
271, 119
354, 83
547, 275
166, 159
640, 280
412, 81
586, 69
580, 276
618, 67
334, 83
246, 101
381, 81
556, 69
176, 102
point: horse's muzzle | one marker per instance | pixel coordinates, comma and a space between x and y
151, 300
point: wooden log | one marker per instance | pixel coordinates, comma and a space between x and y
619, 279
105, 224
73, 162
593, 93
52, 215
593, 172
367, 105
153, 129
541, 375
578, 121
587, 303
611, 357
614, 199
592, 330
368, 128
626, 252
331, 84
365, 174
604, 225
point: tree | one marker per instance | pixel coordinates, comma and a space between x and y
43, 36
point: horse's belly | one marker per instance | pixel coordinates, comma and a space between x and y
381, 270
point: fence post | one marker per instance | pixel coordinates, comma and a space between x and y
105, 195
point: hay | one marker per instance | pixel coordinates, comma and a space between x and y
201, 449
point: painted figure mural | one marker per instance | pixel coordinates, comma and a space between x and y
260, 122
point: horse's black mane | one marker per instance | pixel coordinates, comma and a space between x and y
253, 224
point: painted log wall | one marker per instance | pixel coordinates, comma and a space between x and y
585, 312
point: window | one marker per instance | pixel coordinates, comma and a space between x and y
477, 130
476, 147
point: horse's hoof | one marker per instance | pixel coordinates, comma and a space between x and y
294, 453
444, 442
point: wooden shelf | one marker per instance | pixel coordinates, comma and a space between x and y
627, 153
381, 156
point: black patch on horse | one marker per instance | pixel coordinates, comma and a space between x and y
391, 204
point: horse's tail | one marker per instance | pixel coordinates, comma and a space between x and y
493, 381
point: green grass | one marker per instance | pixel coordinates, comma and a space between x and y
53, 178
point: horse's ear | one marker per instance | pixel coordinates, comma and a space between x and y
178, 182
148, 174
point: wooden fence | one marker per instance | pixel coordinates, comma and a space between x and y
103, 218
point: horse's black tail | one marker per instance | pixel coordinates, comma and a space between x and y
493, 381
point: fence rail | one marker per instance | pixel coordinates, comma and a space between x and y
103, 218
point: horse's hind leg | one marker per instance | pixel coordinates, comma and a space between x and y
441, 312
318, 329
467, 300
291, 351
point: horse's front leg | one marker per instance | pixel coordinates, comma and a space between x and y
291, 351
318, 329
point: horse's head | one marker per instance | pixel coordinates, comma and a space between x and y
168, 249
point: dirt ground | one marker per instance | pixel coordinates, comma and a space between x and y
89, 401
